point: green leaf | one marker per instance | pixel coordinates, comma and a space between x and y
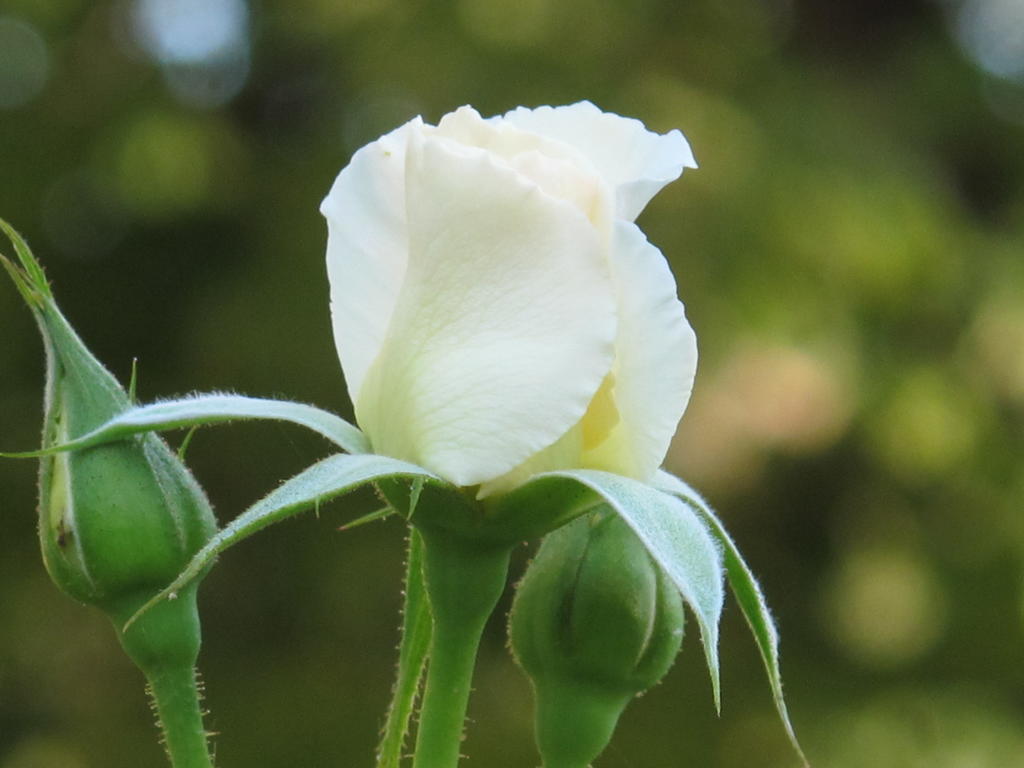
748, 594
417, 627
200, 409
677, 540
325, 480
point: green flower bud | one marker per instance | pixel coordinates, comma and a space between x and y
595, 622
117, 522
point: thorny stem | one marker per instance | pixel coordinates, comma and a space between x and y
464, 582
176, 697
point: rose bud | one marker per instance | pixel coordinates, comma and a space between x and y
496, 310
117, 522
594, 623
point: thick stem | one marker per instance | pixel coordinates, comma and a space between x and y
452, 659
464, 582
176, 696
574, 721
164, 643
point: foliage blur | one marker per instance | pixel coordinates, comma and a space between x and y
851, 253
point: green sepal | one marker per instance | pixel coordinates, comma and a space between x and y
748, 594
670, 530
417, 627
30, 279
539, 506
115, 520
211, 408
370, 517
323, 481
595, 622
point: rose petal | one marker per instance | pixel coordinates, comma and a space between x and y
635, 162
655, 363
555, 166
366, 250
564, 453
505, 324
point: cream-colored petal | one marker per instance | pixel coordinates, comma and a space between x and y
505, 324
635, 162
568, 451
564, 453
655, 363
367, 246
556, 167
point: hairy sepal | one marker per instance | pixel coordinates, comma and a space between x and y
326, 480
670, 530
212, 408
747, 592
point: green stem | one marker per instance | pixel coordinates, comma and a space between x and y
176, 696
164, 643
464, 581
575, 721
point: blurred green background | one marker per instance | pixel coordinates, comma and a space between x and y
851, 254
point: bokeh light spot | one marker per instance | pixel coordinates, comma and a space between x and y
992, 34
998, 339
201, 45
164, 166
767, 397
789, 397
190, 31
927, 427
43, 753
938, 728
24, 63
884, 607
211, 85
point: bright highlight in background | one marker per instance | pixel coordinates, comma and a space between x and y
992, 34
201, 45
191, 31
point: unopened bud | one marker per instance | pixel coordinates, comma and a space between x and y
595, 622
120, 521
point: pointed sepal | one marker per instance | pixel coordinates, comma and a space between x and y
748, 594
115, 521
206, 409
316, 485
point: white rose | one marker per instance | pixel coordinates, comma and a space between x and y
496, 311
